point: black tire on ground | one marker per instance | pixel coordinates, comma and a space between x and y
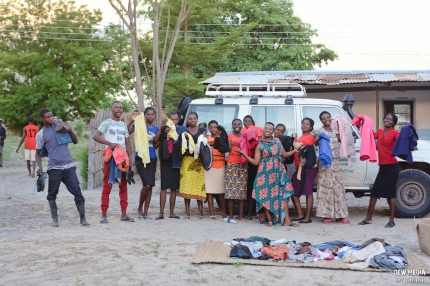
413, 194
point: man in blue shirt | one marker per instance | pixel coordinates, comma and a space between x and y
61, 167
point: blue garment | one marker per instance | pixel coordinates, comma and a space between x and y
114, 173
339, 243
325, 152
151, 136
62, 139
406, 143
176, 159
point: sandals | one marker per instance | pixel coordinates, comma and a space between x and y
104, 221
160, 217
242, 219
291, 225
390, 224
175, 216
213, 217
187, 217
269, 224
364, 222
302, 221
342, 220
129, 219
327, 221
298, 219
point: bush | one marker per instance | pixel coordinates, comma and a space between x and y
83, 158
79, 127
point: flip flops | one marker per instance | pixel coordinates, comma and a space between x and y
327, 221
175, 216
104, 221
364, 222
390, 224
129, 219
291, 225
298, 219
342, 220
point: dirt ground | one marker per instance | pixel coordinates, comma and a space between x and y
158, 252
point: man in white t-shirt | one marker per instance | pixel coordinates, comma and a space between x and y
113, 132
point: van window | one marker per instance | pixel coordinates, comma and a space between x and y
313, 112
223, 114
274, 114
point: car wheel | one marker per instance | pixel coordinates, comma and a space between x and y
413, 194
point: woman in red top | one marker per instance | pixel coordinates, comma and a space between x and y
386, 180
307, 138
236, 172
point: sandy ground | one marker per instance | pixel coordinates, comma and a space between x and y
159, 252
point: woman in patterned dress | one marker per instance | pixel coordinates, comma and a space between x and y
192, 180
272, 188
331, 198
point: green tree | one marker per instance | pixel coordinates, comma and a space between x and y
54, 55
280, 41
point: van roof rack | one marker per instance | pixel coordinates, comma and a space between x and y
255, 90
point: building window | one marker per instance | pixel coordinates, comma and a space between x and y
404, 109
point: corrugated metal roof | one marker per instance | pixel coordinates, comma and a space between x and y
319, 77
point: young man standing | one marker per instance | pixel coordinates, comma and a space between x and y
29, 135
2, 137
61, 167
114, 132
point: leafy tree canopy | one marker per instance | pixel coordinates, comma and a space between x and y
55, 55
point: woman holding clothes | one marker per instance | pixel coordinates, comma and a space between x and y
236, 172
386, 180
272, 188
169, 163
192, 180
249, 124
331, 197
214, 178
307, 138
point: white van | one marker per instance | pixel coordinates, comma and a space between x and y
288, 104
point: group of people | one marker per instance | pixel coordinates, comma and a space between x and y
238, 173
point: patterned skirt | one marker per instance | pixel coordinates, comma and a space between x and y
236, 180
192, 182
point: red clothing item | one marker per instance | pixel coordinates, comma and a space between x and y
30, 136
233, 156
385, 146
253, 127
248, 143
123, 195
367, 145
308, 139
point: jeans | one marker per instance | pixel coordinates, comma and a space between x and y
69, 178
114, 173
62, 138
123, 195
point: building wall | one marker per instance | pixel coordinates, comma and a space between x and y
365, 103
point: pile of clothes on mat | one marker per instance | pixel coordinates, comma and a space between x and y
374, 253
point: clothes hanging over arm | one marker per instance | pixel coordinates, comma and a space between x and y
141, 139
325, 152
343, 125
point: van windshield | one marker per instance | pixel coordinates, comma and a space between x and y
223, 114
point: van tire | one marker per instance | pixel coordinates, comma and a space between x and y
413, 194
